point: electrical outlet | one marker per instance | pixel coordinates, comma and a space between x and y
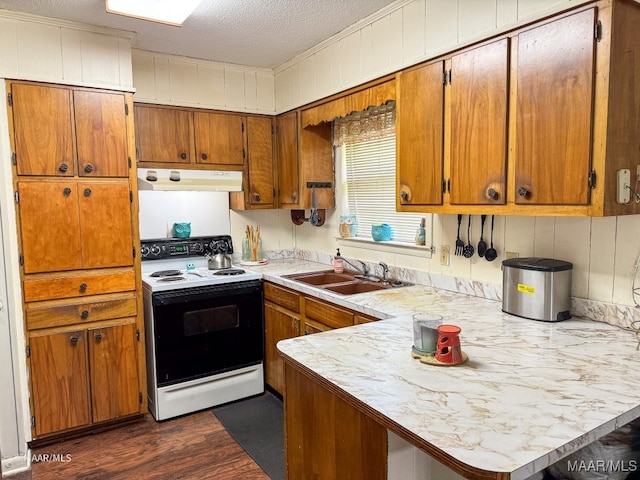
508, 255
444, 255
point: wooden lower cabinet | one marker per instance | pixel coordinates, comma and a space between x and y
83, 376
288, 314
279, 324
327, 437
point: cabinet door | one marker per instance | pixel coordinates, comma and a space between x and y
555, 74
419, 136
59, 381
287, 159
163, 135
105, 220
43, 130
219, 138
50, 226
478, 153
101, 134
278, 325
114, 372
260, 163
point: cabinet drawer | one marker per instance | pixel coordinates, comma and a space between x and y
282, 296
327, 314
69, 286
79, 312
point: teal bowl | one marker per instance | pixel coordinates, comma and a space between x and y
181, 230
381, 232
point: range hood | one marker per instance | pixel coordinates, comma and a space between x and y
196, 180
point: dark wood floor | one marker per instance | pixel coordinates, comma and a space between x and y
192, 447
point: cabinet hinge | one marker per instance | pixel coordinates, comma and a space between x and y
598, 31
444, 186
137, 152
33, 422
244, 154
446, 77
14, 158
21, 259
28, 351
126, 109
137, 334
140, 397
592, 179
243, 127
10, 99
134, 252
129, 160
130, 196
16, 196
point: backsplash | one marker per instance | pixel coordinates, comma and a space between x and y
618, 315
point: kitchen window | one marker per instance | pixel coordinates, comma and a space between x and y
367, 143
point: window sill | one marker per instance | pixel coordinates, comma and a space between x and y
390, 246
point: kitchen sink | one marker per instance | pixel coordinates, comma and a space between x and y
347, 283
321, 278
357, 286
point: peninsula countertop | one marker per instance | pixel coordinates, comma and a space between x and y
531, 392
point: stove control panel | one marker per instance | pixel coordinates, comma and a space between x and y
163, 248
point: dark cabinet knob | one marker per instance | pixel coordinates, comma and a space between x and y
98, 337
404, 195
66, 191
88, 168
85, 314
183, 156
294, 198
83, 287
256, 196
87, 192
491, 193
204, 156
73, 340
63, 167
523, 192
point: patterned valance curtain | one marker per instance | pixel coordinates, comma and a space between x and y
369, 124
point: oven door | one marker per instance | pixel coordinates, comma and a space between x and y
206, 330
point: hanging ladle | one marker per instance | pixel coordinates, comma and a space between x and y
491, 253
482, 245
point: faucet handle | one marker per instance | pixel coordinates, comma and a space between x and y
385, 271
365, 268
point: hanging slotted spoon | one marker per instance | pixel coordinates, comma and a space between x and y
482, 245
467, 251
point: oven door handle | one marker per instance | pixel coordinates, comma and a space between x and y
208, 291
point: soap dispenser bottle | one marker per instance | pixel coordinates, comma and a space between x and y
338, 263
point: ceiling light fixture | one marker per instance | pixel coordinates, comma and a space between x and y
170, 12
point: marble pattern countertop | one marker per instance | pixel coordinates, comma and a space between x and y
530, 394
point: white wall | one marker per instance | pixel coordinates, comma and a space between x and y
173, 80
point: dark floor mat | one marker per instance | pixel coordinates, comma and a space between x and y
257, 424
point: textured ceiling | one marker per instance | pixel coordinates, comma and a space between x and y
256, 33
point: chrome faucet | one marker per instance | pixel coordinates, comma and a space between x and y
385, 271
364, 270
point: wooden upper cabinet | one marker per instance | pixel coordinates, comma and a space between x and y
219, 138
45, 127
42, 126
114, 372
419, 136
260, 161
555, 83
478, 116
163, 135
101, 134
287, 159
50, 223
59, 381
71, 226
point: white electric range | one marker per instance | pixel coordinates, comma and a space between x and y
204, 328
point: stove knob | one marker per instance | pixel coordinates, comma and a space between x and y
145, 251
155, 250
197, 247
